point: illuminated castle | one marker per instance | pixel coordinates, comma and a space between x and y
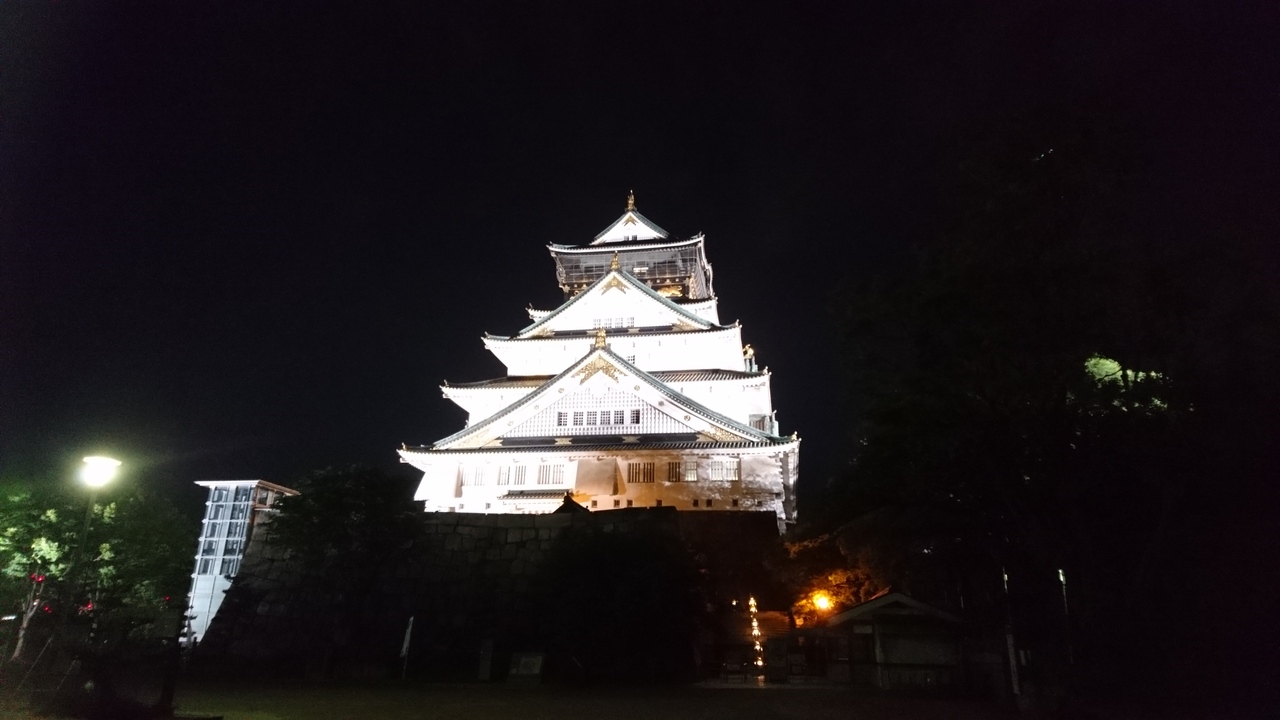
630, 394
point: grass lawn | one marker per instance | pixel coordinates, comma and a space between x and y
479, 702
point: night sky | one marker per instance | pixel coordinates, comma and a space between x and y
249, 240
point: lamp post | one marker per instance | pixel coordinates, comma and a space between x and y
96, 472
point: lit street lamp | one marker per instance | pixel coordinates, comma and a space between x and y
96, 473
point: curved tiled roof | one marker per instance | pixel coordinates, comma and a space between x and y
590, 334
613, 247
665, 376
549, 449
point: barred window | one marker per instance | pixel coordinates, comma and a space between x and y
605, 417
635, 417
640, 472
577, 418
518, 475
723, 470
472, 476
550, 474
591, 417
504, 475
619, 417
562, 419
673, 471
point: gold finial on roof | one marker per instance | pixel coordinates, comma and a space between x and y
631, 200
613, 264
601, 333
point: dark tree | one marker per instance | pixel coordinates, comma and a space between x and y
1051, 388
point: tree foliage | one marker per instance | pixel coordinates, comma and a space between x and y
356, 509
1048, 386
134, 562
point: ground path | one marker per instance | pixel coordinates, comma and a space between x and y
483, 702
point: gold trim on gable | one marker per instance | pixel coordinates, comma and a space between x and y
598, 365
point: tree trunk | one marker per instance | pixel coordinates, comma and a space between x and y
33, 605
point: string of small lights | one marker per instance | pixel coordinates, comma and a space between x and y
755, 632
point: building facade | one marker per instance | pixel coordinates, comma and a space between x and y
630, 394
234, 510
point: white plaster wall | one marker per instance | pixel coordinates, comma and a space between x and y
669, 351
760, 486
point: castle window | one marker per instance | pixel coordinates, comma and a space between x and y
724, 470
640, 472
550, 474
593, 503
577, 418
657, 503
591, 417
605, 416
619, 417
518, 475
617, 503
628, 503
709, 502
735, 502
673, 471
695, 502
562, 419
690, 468
504, 475
635, 417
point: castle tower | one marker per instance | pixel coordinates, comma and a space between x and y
630, 394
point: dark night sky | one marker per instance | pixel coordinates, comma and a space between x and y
247, 241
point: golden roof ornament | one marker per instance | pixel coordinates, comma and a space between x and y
631, 200
600, 337
613, 264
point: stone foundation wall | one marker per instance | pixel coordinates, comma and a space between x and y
464, 578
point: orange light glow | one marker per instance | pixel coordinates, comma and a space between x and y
821, 601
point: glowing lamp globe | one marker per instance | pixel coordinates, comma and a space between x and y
822, 602
98, 471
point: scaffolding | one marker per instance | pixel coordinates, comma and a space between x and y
674, 270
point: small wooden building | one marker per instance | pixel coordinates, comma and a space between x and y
897, 642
